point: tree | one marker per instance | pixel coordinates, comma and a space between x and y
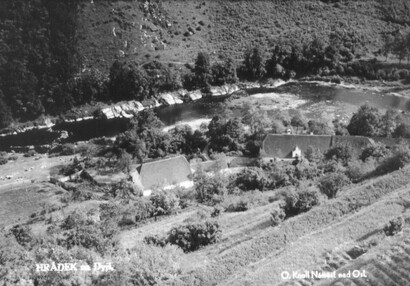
209, 189
318, 128
341, 153
402, 131
389, 122
388, 43
224, 73
251, 179
297, 121
400, 47
162, 78
365, 122
332, 183
377, 151
254, 63
313, 154
299, 201
203, 69
5, 112
128, 81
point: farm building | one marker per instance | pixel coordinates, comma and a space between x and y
282, 145
288, 146
171, 171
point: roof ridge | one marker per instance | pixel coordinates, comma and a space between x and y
166, 159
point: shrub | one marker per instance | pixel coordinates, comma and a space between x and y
3, 160
30, 153
357, 170
277, 216
13, 158
300, 201
394, 226
22, 234
398, 160
216, 211
341, 152
239, 206
143, 209
209, 189
155, 240
191, 237
376, 151
67, 149
332, 183
125, 190
251, 179
164, 202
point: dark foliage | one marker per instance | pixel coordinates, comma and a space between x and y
342, 153
300, 201
331, 184
394, 226
399, 159
191, 237
251, 179
366, 122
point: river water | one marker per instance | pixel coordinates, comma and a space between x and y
312, 92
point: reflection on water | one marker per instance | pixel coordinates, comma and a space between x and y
319, 92
189, 111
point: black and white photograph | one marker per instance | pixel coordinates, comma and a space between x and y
205, 142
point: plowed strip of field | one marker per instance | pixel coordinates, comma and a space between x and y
229, 266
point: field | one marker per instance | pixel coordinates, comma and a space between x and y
27, 191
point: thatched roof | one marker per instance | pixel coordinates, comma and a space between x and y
391, 141
358, 143
169, 171
281, 145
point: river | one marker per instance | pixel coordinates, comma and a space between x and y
307, 92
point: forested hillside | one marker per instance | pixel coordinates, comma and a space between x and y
58, 54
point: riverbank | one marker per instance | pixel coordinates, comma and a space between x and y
318, 98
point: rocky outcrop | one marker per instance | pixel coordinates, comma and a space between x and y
125, 110
224, 91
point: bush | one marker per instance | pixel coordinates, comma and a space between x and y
332, 183
342, 153
239, 206
209, 189
3, 160
155, 240
357, 170
125, 190
277, 216
30, 153
191, 237
296, 202
394, 226
164, 202
398, 160
376, 151
251, 179
23, 234
216, 212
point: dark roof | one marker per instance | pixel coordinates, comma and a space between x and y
210, 166
281, 145
358, 143
167, 171
390, 141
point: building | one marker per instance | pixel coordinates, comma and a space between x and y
166, 172
286, 146
290, 146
